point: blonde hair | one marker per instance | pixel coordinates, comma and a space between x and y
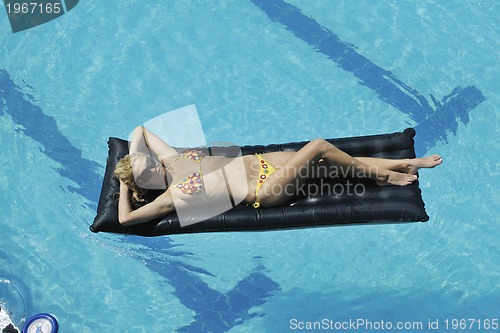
123, 171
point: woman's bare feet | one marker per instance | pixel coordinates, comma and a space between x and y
396, 178
424, 162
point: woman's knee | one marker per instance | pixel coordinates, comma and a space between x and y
321, 146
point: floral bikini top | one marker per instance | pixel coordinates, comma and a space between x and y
192, 184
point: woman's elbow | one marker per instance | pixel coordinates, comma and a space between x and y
123, 221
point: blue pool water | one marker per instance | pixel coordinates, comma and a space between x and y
259, 72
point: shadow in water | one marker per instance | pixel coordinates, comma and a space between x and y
43, 129
433, 122
215, 311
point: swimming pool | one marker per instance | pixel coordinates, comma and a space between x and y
259, 72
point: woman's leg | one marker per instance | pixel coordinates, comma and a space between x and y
408, 165
294, 171
380, 170
322, 169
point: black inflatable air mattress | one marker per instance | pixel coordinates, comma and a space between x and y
376, 204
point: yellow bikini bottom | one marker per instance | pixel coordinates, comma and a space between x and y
265, 171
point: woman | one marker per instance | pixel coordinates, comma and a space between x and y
192, 179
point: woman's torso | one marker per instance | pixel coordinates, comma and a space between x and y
214, 177
220, 175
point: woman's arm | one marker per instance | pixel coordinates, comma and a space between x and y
161, 206
143, 139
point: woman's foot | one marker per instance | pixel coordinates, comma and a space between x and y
424, 162
395, 178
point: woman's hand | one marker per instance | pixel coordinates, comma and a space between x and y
124, 191
123, 185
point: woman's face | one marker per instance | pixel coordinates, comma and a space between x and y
148, 173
